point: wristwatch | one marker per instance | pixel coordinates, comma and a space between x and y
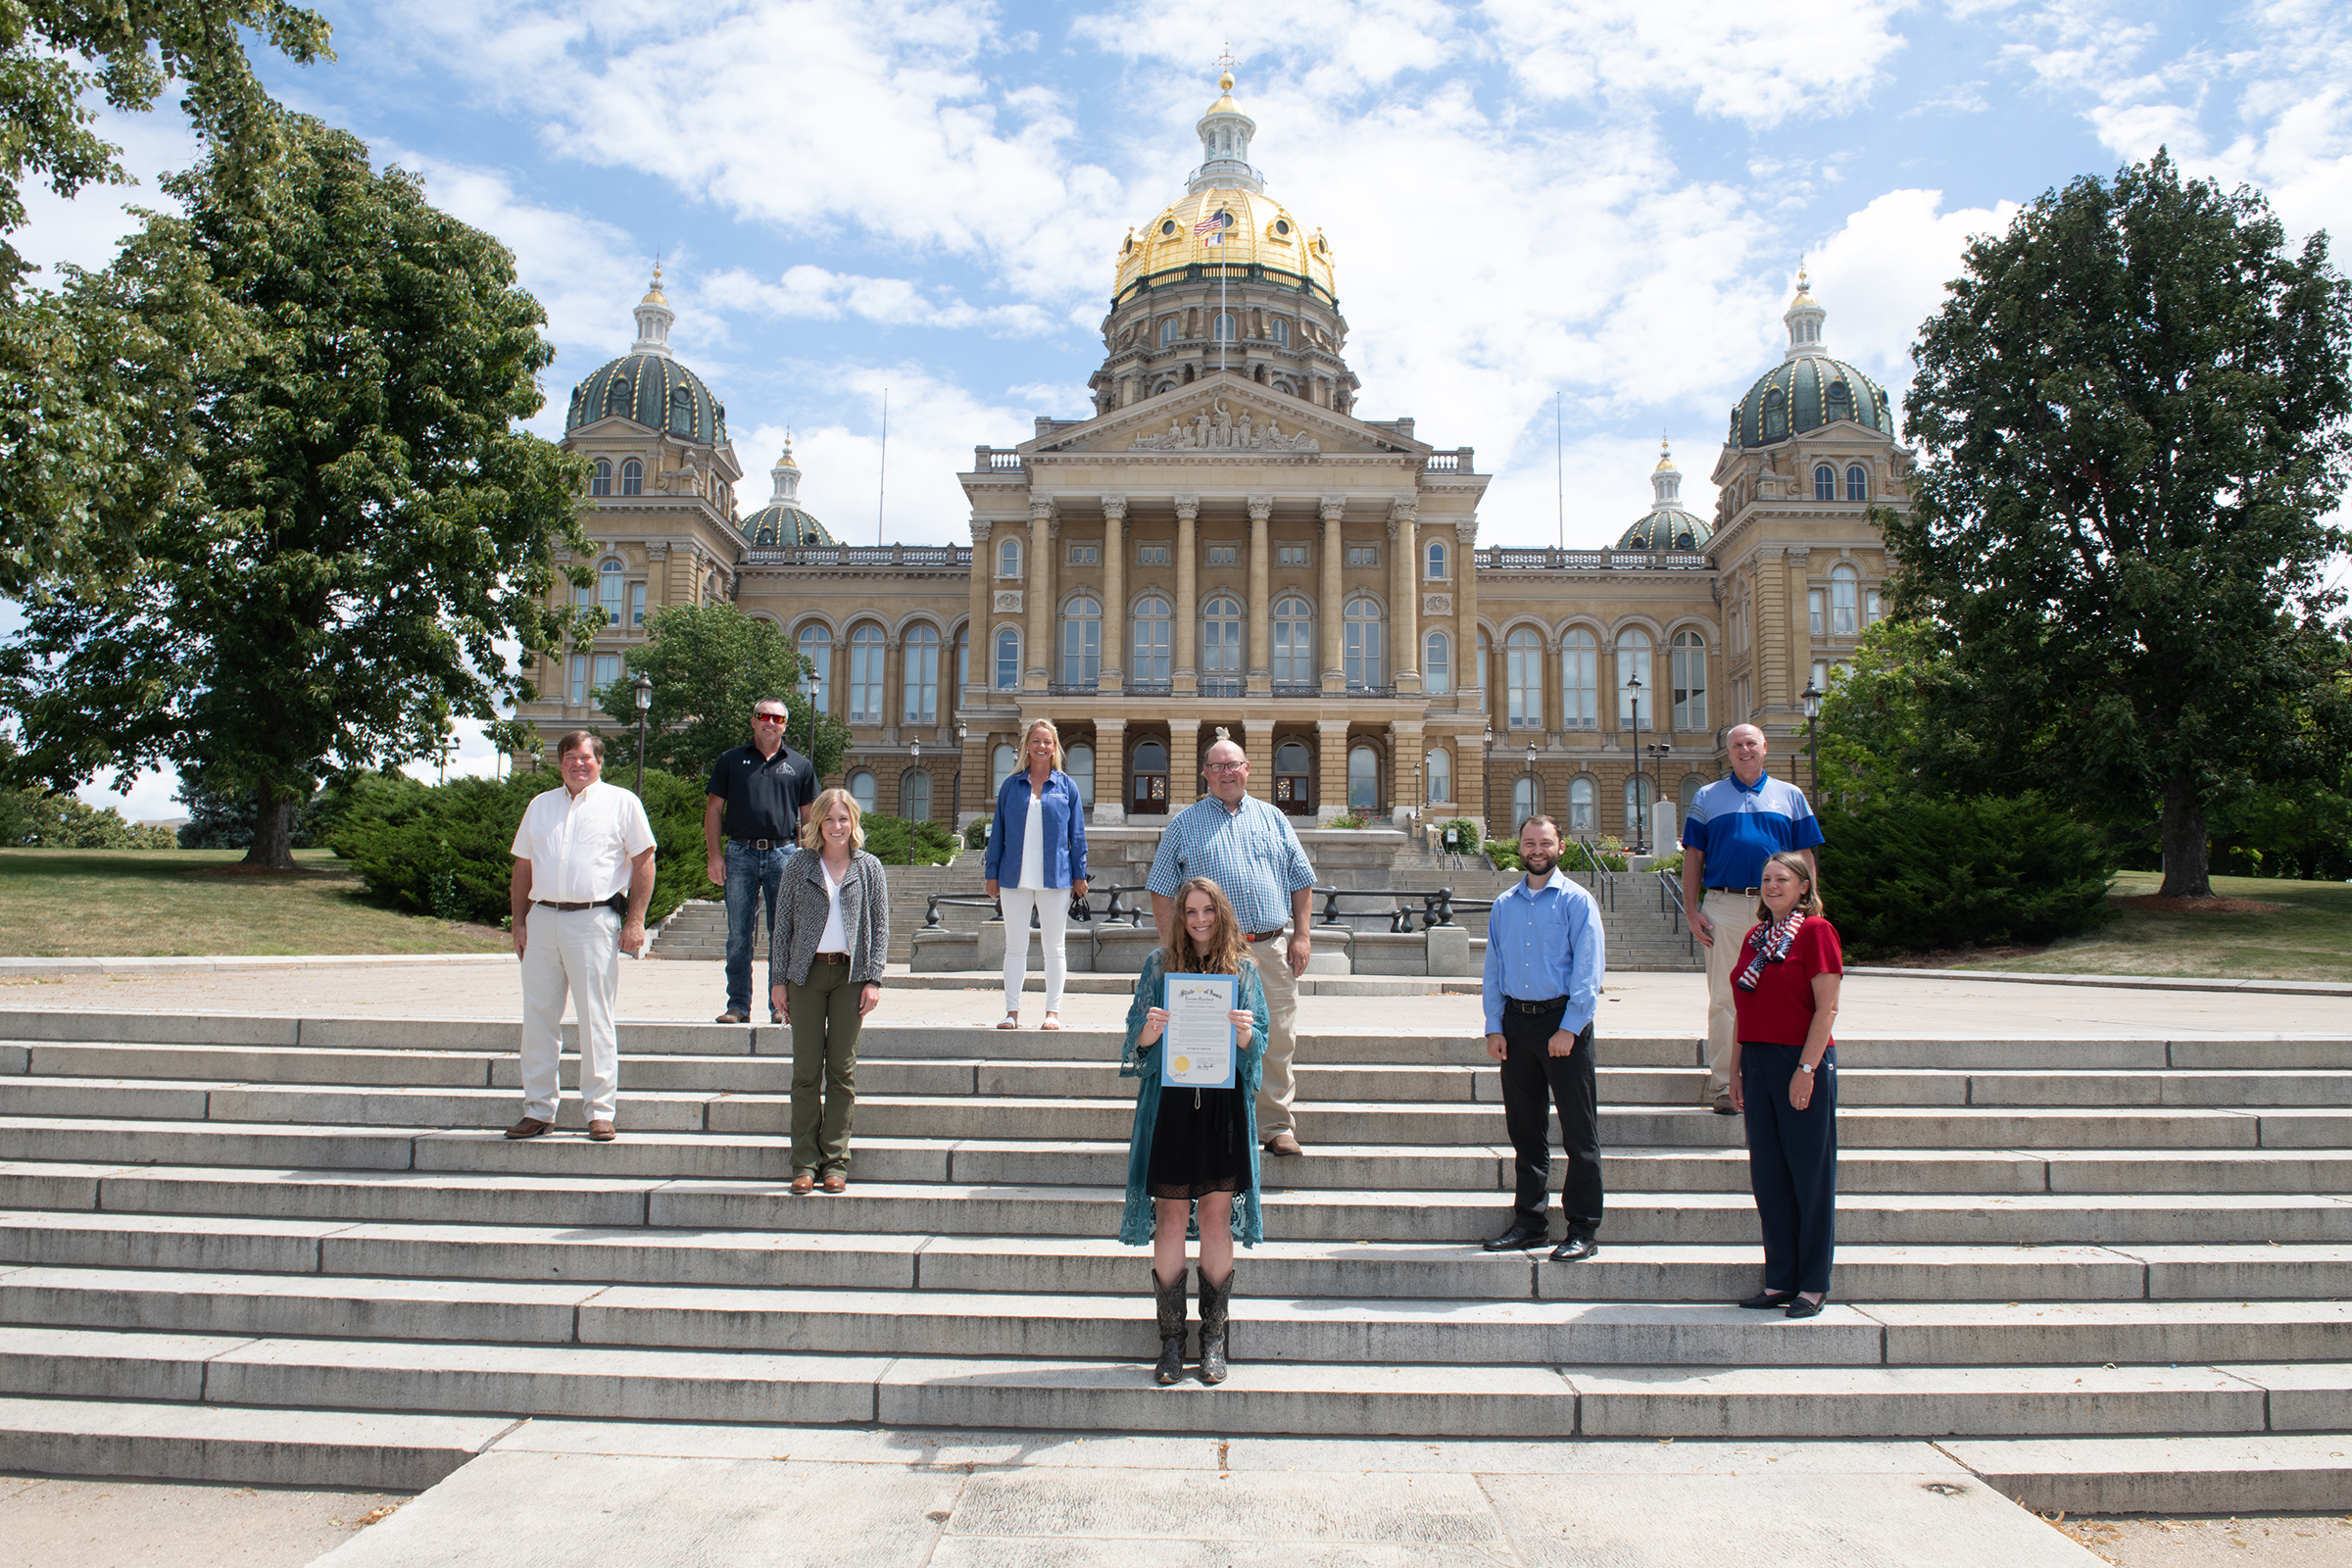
1805, 1067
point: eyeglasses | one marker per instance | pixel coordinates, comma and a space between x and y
1226, 767
767, 719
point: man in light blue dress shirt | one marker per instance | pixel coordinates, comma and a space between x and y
1546, 957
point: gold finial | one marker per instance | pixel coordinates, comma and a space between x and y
1224, 63
785, 462
653, 292
1665, 454
1802, 284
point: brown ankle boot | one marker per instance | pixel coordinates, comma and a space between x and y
1171, 1300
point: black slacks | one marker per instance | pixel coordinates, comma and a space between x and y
1532, 1076
1792, 1164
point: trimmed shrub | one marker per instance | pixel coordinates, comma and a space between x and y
975, 835
895, 841
1913, 874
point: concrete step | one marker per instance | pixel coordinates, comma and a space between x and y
365, 1450
2240, 1474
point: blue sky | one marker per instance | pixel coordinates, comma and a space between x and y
1603, 203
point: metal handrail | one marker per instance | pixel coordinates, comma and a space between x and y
1081, 910
1604, 880
1438, 907
1670, 903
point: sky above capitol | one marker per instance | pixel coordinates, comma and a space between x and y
1582, 217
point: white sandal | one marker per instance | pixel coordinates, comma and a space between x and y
1012, 1020
1053, 1021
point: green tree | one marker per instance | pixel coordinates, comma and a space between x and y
708, 665
2133, 410
366, 531
94, 400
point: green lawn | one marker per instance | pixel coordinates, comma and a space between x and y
116, 904
2309, 939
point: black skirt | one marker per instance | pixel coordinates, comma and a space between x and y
1199, 1144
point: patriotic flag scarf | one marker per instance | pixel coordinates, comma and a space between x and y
1772, 950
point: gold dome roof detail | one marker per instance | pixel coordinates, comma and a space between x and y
653, 292
1665, 459
1263, 233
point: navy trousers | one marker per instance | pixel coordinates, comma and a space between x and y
1792, 1164
1530, 1076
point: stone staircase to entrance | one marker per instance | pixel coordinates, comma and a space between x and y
298, 1251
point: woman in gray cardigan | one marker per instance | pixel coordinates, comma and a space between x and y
824, 970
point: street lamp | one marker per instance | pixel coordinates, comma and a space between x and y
1486, 783
956, 817
645, 700
1812, 700
914, 756
1530, 786
1633, 683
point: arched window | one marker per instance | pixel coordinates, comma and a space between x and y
1167, 330
1440, 776
1776, 415
1151, 661
1580, 679
1582, 798
920, 688
1633, 660
1150, 795
915, 796
600, 479
816, 647
1435, 556
1640, 791
1280, 330
1294, 642
1224, 328
1689, 664
1526, 800
1824, 482
608, 591
1437, 662
1857, 482
1009, 557
1523, 677
1692, 783
1079, 762
1009, 660
862, 790
865, 674
1001, 764
1845, 601
632, 478
1362, 648
1081, 639
1294, 778
1221, 639
1478, 671
1363, 779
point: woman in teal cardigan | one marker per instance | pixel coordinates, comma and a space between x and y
1196, 1147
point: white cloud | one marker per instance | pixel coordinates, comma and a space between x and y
87, 229
816, 293
1883, 274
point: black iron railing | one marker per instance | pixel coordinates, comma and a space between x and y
1438, 907
1604, 880
1670, 903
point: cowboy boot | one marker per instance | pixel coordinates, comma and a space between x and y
1214, 1300
1171, 1329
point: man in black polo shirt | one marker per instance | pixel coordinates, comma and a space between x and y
764, 790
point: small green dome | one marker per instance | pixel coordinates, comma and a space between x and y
1667, 528
656, 391
777, 526
1805, 394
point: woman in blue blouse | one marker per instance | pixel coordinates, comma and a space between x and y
1037, 861
1193, 1146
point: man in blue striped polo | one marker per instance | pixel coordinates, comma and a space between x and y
1736, 824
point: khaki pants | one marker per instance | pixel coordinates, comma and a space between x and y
1733, 915
1281, 1083
824, 1067
573, 952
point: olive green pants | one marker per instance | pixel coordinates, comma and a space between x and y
824, 1067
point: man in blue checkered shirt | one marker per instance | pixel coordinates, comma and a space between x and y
1246, 847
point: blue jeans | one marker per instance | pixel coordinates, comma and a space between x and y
752, 874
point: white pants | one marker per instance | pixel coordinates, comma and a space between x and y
574, 951
1735, 916
1052, 907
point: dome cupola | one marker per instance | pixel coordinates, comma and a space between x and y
1667, 525
1808, 390
648, 385
781, 525
1225, 133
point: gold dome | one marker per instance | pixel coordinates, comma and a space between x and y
653, 292
1665, 459
1264, 232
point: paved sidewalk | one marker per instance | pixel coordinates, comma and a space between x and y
1881, 1006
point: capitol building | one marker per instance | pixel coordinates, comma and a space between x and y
1225, 541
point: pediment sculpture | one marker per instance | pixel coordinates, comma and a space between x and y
1216, 428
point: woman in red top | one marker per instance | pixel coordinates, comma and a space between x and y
1784, 1077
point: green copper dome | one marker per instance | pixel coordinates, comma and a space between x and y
781, 527
656, 391
1805, 394
1667, 528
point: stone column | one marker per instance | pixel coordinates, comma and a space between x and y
1405, 619
1465, 613
1110, 780
1260, 663
1329, 614
1258, 744
1038, 667
893, 671
1405, 786
1331, 768
983, 669
1794, 668
1470, 779
1115, 604
1184, 634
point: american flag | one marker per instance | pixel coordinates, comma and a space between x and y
1213, 226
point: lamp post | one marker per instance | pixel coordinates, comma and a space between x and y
645, 701
915, 757
1633, 683
956, 817
1811, 697
1486, 783
1530, 787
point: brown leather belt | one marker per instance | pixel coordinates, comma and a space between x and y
1743, 892
832, 957
1262, 936
568, 909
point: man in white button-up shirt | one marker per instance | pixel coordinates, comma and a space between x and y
579, 851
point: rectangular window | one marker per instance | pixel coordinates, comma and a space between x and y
636, 604
1085, 554
1224, 555
607, 670
1872, 611
1363, 555
577, 696
1150, 555
1821, 676
865, 682
1815, 619
1290, 555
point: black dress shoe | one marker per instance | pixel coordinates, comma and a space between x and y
1575, 1249
1519, 1238
1800, 1307
1767, 1301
